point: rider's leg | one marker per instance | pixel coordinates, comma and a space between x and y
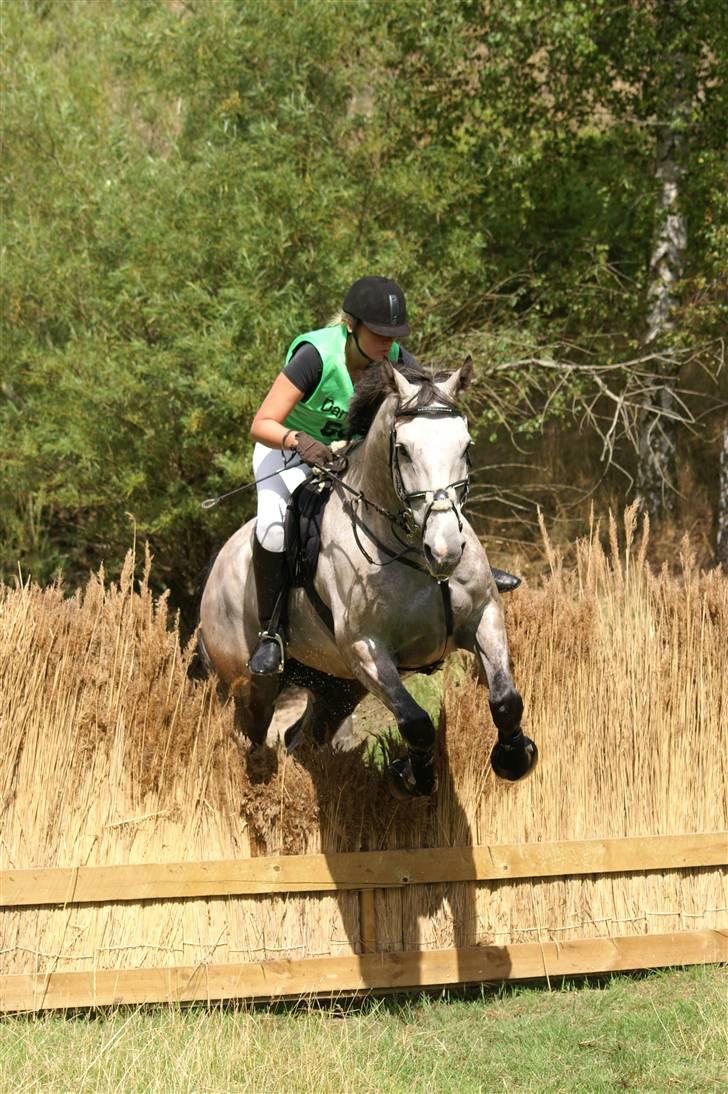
269, 560
269, 569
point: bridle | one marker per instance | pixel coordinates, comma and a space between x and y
442, 499
453, 496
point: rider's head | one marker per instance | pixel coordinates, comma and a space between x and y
376, 304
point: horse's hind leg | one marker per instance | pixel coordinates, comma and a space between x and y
334, 700
514, 754
333, 704
254, 707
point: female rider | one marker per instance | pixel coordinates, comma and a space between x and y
304, 411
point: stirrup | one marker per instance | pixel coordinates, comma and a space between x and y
261, 649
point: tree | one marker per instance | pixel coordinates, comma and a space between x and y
187, 186
721, 554
676, 98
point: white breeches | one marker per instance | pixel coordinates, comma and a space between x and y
275, 492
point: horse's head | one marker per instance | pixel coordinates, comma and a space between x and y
430, 464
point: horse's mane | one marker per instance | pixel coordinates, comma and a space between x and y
376, 384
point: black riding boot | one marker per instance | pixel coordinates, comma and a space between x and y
269, 569
504, 582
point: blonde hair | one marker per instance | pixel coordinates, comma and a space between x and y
340, 317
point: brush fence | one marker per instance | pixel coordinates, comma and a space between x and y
365, 876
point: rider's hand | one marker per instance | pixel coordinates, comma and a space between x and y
313, 452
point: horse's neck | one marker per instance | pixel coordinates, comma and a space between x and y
370, 471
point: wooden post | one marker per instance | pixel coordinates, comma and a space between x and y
367, 921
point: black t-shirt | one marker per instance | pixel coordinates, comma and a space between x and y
305, 367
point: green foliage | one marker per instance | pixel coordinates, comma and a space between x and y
186, 187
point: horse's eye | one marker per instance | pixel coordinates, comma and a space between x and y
403, 453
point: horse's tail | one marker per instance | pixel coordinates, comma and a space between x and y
200, 666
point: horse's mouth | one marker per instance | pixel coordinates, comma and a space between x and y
441, 568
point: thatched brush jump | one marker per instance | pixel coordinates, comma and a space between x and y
111, 757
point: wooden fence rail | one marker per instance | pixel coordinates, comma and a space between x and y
358, 870
333, 976
362, 871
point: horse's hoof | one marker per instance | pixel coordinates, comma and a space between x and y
405, 783
514, 762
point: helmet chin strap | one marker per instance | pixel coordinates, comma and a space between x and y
366, 356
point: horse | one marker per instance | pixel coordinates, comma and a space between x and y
401, 581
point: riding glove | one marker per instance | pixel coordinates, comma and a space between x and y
313, 452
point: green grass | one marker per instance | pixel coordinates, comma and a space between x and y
661, 1031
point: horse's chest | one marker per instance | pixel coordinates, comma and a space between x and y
414, 618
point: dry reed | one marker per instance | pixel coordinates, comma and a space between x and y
111, 755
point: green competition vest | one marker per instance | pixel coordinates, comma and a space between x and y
323, 414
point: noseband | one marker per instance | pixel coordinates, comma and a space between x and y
453, 496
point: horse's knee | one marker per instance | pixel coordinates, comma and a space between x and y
507, 711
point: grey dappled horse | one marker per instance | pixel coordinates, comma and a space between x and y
402, 579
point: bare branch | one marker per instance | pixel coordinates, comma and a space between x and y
605, 398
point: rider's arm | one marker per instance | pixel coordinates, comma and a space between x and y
305, 368
267, 426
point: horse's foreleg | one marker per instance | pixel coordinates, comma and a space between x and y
514, 754
414, 775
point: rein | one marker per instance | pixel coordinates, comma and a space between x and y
442, 499
452, 496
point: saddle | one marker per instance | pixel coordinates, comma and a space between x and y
304, 516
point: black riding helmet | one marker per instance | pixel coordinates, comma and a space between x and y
378, 302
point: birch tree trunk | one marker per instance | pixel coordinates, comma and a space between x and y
721, 550
657, 467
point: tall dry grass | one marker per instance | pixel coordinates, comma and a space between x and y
111, 755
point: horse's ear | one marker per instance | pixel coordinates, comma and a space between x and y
467, 373
459, 380
403, 387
